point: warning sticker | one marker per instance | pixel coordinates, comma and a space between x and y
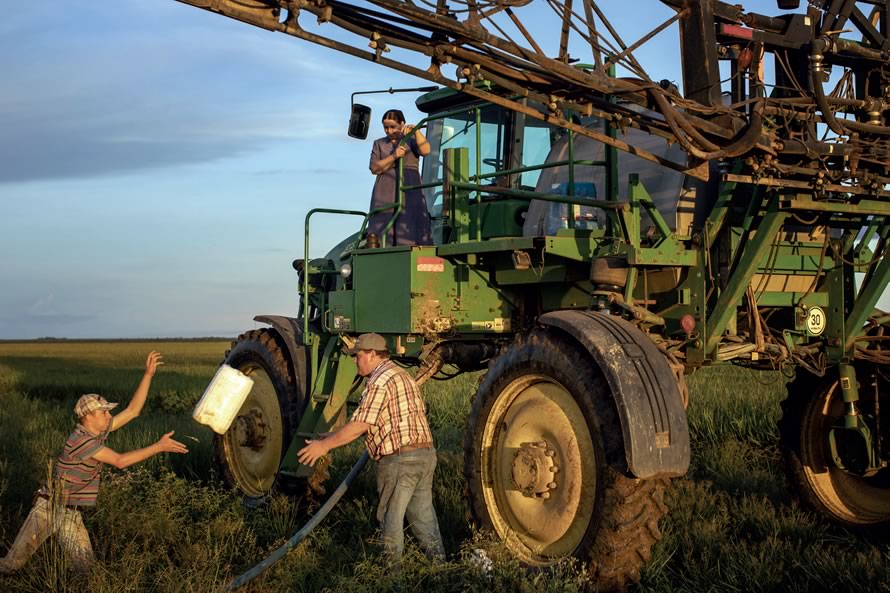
430, 264
498, 324
816, 321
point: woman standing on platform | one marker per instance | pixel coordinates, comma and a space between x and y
412, 227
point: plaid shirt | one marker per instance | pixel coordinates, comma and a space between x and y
393, 405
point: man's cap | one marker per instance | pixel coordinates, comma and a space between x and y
368, 342
90, 403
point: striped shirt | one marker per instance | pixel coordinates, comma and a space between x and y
76, 471
393, 405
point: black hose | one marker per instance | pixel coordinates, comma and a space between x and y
278, 554
840, 127
745, 142
816, 58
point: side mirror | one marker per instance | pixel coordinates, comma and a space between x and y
359, 121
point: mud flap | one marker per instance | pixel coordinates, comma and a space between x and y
653, 419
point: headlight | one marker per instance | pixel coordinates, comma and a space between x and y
346, 271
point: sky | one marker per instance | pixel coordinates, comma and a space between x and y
157, 162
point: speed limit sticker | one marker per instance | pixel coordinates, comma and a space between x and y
815, 321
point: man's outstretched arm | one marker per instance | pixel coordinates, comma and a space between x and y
318, 448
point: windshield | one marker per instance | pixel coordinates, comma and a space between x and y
459, 131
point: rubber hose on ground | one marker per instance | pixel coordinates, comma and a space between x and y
278, 554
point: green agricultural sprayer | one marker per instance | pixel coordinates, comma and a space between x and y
597, 238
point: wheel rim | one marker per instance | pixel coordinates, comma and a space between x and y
534, 425
848, 497
253, 444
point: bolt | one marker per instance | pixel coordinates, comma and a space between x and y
544, 495
551, 485
550, 453
554, 468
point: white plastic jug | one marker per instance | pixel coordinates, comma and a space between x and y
223, 398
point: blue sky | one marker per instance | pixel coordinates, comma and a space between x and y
157, 161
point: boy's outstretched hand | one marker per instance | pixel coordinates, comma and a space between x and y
152, 363
166, 444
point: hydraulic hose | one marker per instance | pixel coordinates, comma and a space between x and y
298, 537
840, 127
816, 58
745, 142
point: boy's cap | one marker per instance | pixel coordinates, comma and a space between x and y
368, 342
90, 403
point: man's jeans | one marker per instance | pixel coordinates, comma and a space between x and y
44, 520
405, 486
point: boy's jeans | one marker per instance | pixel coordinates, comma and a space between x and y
44, 520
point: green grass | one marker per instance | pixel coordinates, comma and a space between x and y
168, 526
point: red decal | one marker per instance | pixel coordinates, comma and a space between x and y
430, 264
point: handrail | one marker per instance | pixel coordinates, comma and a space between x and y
530, 195
583, 163
401, 189
306, 337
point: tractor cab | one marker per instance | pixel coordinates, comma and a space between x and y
507, 150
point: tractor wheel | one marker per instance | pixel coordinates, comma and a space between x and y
545, 463
250, 452
814, 405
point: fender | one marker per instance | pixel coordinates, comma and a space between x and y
291, 332
650, 407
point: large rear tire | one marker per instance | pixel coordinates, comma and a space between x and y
545, 463
249, 454
813, 406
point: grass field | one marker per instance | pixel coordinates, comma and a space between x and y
168, 526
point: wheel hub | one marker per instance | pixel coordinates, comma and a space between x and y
534, 470
251, 430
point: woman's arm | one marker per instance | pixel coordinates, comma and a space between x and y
386, 163
382, 164
423, 145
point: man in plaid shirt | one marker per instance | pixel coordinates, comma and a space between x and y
392, 416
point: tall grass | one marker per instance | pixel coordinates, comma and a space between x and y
168, 526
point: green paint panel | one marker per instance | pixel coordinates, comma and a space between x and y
382, 285
341, 311
412, 290
502, 218
448, 296
567, 297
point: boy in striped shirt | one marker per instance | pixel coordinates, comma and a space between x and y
76, 476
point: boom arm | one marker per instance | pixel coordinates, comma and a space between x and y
777, 135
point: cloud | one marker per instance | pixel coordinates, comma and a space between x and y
41, 304
122, 99
44, 311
